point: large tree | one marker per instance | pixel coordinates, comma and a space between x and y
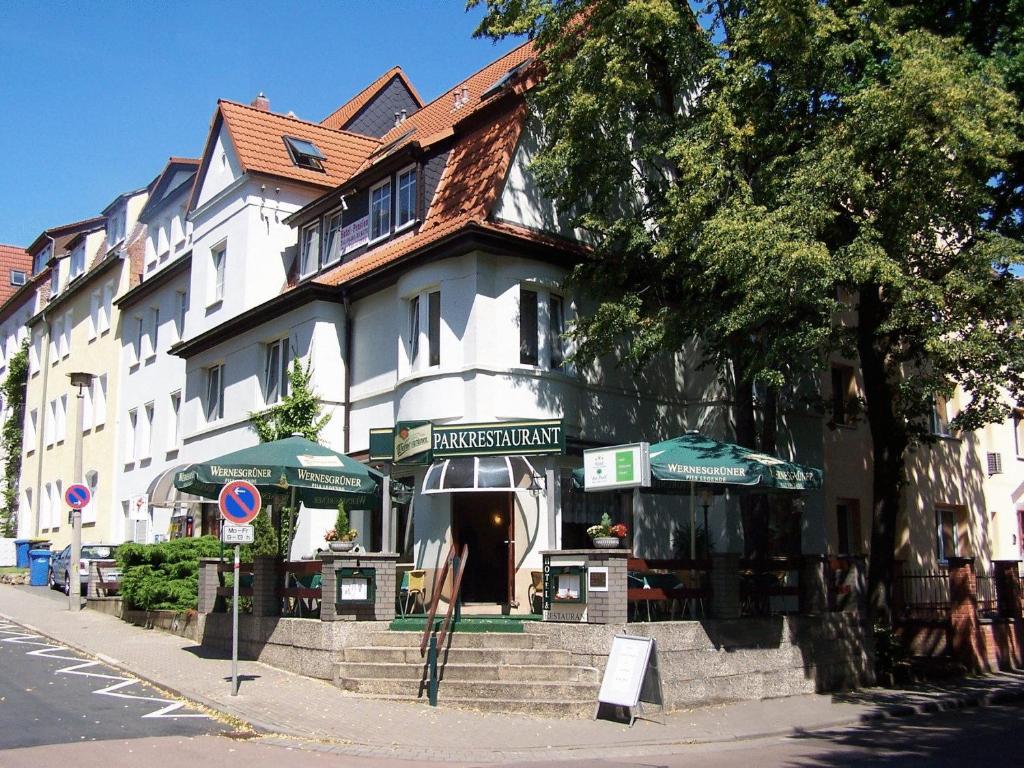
737, 164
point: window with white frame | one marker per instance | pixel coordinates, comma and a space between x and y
380, 210
92, 480
174, 427
434, 329
414, 331
50, 423
130, 435
40, 259
146, 431
218, 263
55, 344
406, 203
77, 261
310, 249
46, 507
947, 533
115, 228
26, 505
61, 426
214, 393
138, 332
275, 372
65, 335
106, 307
55, 279
181, 308
99, 400
556, 331
31, 430
95, 298
152, 334
332, 244
940, 416
1018, 433
528, 324
33, 355
86, 403
57, 507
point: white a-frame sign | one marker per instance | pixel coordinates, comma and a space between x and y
631, 676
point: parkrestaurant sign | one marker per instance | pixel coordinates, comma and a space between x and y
420, 442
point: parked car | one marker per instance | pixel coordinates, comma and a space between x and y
60, 565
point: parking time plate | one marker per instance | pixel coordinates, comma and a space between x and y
237, 534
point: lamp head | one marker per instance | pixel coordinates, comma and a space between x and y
80, 379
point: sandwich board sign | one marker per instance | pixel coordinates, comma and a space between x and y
631, 676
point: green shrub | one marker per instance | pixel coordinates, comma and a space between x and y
164, 576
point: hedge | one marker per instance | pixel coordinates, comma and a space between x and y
164, 576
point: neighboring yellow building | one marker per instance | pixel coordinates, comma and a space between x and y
964, 495
78, 329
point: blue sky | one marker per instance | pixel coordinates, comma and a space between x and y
96, 96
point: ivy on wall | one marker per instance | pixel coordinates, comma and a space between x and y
13, 391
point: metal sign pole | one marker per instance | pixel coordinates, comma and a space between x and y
234, 627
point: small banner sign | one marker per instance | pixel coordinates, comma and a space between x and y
237, 534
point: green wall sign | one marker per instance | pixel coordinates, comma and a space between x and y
421, 442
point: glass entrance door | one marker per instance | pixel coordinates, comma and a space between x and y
484, 522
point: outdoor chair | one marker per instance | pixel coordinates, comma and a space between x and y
413, 587
536, 591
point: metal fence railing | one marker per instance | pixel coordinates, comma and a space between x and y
923, 595
988, 601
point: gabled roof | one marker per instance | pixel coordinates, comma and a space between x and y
179, 172
438, 118
340, 117
13, 258
258, 138
86, 225
465, 196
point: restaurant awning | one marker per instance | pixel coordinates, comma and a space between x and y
162, 493
479, 474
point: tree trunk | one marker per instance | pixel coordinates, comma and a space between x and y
889, 445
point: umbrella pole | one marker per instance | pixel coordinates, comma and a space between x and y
693, 520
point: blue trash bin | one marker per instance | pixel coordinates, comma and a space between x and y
39, 568
21, 548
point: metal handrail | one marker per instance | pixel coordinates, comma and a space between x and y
437, 640
435, 595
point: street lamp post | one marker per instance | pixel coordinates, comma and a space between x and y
82, 381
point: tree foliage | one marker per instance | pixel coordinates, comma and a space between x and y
299, 412
787, 179
13, 392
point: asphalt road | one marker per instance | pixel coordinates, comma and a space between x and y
52, 695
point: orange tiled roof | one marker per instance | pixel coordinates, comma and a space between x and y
339, 117
258, 139
12, 257
465, 194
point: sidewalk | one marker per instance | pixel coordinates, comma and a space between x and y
289, 706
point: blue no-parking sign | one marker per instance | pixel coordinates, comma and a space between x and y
77, 496
239, 502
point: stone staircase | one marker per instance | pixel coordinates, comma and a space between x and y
488, 671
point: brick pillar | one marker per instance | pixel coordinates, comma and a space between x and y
963, 601
1005, 573
386, 586
814, 580
208, 583
609, 607
264, 583
725, 585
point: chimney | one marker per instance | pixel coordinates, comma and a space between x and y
403, 115
398, 119
261, 102
456, 103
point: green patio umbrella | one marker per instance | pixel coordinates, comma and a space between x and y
682, 463
307, 471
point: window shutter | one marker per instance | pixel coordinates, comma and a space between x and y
995, 463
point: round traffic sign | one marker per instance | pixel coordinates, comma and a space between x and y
77, 496
239, 502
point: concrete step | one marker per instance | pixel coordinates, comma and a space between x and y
687, 665
499, 691
746, 687
494, 656
461, 639
452, 672
534, 707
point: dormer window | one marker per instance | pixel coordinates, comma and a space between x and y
115, 228
77, 261
305, 154
17, 277
499, 84
380, 211
39, 264
55, 279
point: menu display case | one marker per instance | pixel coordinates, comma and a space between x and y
564, 585
356, 586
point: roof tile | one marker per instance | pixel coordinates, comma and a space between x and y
349, 109
12, 258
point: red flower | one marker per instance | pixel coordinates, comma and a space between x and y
620, 530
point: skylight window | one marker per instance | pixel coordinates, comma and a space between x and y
305, 154
505, 79
17, 277
387, 148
